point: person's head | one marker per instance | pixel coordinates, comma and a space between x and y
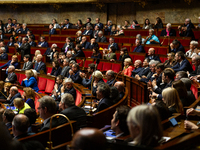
179, 56
181, 74
120, 86
91, 68
19, 39
24, 25
196, 60
162, 110
29, 32
68, 83
37, 52
151, 32
79, 33
54, 20
112, 49
119, 27
158, 20
123, 51
31, 114
110, 75
84, 39
54, 46
59, 79
114, 94
9, 20
93, 40
96, 28
89, 139
111, 40
66, 21
55, 64
39, 58
8, 115
181, 88
79, 21
138, 42
147, 22
69, 54
146, 63
193, 45
97, 20
159, 68
139, 37
26, 58
88, 27
42, 38
187, 82
95, 51
14, 21
47, 107
187, 21
151, 52
100, 34
168, 26
19, 103
138, 63
109, 22
75, 67
20, 124
31, 38
103, 90
168, 75
14, 58
97, 75
71, 63
176, 43
67, 100
11, 68
118, 122
29, 73
152, 65
14, 33
127, 62
88, 20
170, 56
29, 93
134, 22
78, 47
12, 39
145, 125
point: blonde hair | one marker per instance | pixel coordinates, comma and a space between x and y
171, 98
30, 72
29, 93
14, 56
147, 119
37, 52
97, 74
18, 102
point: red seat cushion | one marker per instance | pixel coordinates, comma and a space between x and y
87, 62
20, 91
100, 66
42, 83
78, 97
21, 77
49, 86
107, 66
49, 69
116, 67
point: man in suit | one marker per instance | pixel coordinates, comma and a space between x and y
7, 117
13, 62
186, 32
2, 36
87, 82
42, 42
79, 52
56, 93
110, 76
30, 33
145, 69
31, 41
88, 22
66, 68
101, 38
25, 48
9, 23
24, 28
112, 43
68, 88
139, 48
13, 94
120, 87
196, 63
93, 44
70, 57
99, 24
74, 73
68, 108
39, 65
27, 63
3, 55
176, 46
88, 31
152, 56
168, 31
103, 94
138, 67
2, 44
189, 24
69, 45
12, 77
84, 43
51, 29
183, 64
17, 29
66, 25
95, 32
46, 109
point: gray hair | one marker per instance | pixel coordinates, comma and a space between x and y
49, 103
68, 80
79, 32
67, 99
3, 49
169, 25
25, 38
100, 32
119, 26
153, 62
151, 30
110, 21
69, 52
21, 122
111, 73
188, 19
24, 24
139, 61
54, 45
104, 89
12, 67
72, 62
197, 57
195, 43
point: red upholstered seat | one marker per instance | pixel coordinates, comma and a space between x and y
21, 77
117, 55
100, 66
20, 91
49, 69
162, 50
87, 53
11, 49
42, 83
36, 103
49, 86
87, 62
78, 98
139, 57
107, 66
116, 67
103, 45
163, 59
194, 90
80, 61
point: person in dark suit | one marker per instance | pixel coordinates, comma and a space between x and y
9, 30
24, 29
68, 88
74, 73
168, 31
69, 45
188, 24
138, 67
196, 63
42, 42
87, 82
68, 108
93, 44
9, 23
95, 32
56, 92
88, 31
29, 34
3, 55
70, 56
88, 23
100, 25
12, 77
66, 25
103, 93
120, 87
27, 63
31, 41
39, 65
7, 117
13, 94
101, 38
84, 43
112, 43
186, 32
51, 29
56, 68
17, 28
145, 70
139, 48
2, 44
110, 76
66, 68
182, 63
13, 62
80, 52
2, 36
176, 46
11, 42
25, 48
152, 56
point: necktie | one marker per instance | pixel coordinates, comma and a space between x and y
37, 64
66, 49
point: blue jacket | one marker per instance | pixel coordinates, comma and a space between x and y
139, 49
16, 64
76, 77
31, 103
4, 56
45, 44
31, 82
185, 66
52, 31
86, 45
90, 32
144, 72
100, 25
55, 72
180, 48
11, 102
114, 44
136, 71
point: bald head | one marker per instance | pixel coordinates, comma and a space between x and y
120, 86
138, 63
89, 139
151, 52
39, 57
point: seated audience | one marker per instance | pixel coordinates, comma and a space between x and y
29, 34
39, 65
56, 70
50, 51
20, 105
2, 44
193, 49
185, 31
98, 78
188, 23
42, 42
147, 24
88, 31
152, 38
19, 41
25, 48
112, 43
32, 116
7, 117
79, 24
182, 63
11, 41
176, 46
36, 53
110, 76
3, 55
134, 25
70, 56
68, 108
66, 68
79, 50
95, 32
29, 96
99, 24
170, 62
145, 70
24, 28
30, 80
95, 53
31, 41
9, 30
27, 63
127, 70
139, 48
168, 31
196, 63
181, 74
137, 69
68, 88
101, 38
51, 29
88, 22
56, 92
139, 37
93, 44
12, 62
113, 30
79, 37
84, 43
123, 54
87, 82
66, 24
120, 87
126, 24
108, 26
69, 45
152, 56
74, 73
158, 24
110, 54
3, 93
140, 119
12, 77
55, 24
119, 31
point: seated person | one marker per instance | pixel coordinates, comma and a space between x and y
101, 38
20, 105
185, 31
176, 46
193, 49
84, 43
13, 62
2, 44
147, 24
110, 77
188, 124
158, 24
110, 54
70, 56
134, 25
196, 62
182, 63
98, 77
66, 68
68, 88
36, 53
32, 116
127, 70
87, 82
139, 119
168, 31
114, 95
56, 70
29, 96
152, 56
79, 37
137, 69
123, 54
19, 42
88, 30
119, 31
108, 26
30, 80
42, 42
11, 41
152, 39
31, 41
162, 109
3, 55
145, 70
68, 108
68, 45
56, 92
7, 118
98, 23
3, 92
13, 93
139, 48
27, 63
12, 77
96, 53
66, 24
29, 34
24, 28
50, 51
93, 44
51, 29
79, 50
170, 62
74, 74
39, 65
95, 32
120, 87
112, 43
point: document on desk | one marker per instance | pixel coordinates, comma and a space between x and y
164, 139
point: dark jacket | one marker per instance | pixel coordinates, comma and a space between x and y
102, 39
103, 104
12, 77
180, 48
154, 58
185, 66
41, 66
52, 31
71, 91
80, 53
55, 72
11, 101
172, 32
139, 49
25, 48
44, 44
